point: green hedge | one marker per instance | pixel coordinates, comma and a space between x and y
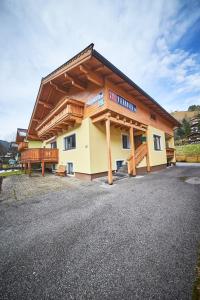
192, 149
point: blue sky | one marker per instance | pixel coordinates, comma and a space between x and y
156, 43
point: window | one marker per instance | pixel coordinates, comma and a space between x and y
70, 168
70, 142
125, 141
119, 164
153, 116
53, 145
156, 140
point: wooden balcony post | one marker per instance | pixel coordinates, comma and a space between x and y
110, 177
29, 168
25, 167
147, 157
43, 167
132, 147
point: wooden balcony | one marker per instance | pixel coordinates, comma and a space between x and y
170, 152
39, 155
22, 146
66, 113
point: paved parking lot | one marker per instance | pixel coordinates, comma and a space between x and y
135, 240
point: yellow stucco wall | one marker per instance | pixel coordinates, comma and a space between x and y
90, 155
156, 157
98, 148
34, 144
80, 157
171, 142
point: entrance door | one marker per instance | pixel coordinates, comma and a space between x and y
70, 168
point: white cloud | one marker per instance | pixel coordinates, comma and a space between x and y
139, 37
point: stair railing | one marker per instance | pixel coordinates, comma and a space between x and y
140, 153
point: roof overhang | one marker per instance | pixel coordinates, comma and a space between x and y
88, 66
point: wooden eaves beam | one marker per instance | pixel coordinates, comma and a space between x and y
45, 104
36, 120
99, 68
34, 137
75, 82
92, 76
118, 121
57, 88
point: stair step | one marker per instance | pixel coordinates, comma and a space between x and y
123, 169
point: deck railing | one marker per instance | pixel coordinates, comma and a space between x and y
39, 154
140, 153
66, 112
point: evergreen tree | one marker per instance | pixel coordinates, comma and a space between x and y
193, 107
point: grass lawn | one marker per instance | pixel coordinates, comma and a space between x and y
6, 174
188, 149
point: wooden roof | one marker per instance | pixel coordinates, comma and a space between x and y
88, 65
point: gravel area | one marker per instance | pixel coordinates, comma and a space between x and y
137, 239
23, 187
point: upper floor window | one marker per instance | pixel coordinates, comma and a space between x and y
125, 141
53, 145
157, 142
153, 116
70, 142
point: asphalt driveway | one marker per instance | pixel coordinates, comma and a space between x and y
135, 240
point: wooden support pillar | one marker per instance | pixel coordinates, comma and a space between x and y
29, 168
132, 147
43, 167
147, 157
110, 177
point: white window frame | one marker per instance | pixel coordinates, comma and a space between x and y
125, 134
160, 142
68, 174
64, 141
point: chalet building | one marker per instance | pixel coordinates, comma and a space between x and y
92, 119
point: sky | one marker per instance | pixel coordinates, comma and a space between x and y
156, 43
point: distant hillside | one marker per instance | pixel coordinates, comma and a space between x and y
180, 115
4, 147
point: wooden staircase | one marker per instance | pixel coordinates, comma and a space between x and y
140, 153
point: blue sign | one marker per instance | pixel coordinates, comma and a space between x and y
97, 98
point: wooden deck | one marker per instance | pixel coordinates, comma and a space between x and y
39, 155
170, 152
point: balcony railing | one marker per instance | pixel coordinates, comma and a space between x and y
170, 152
39, 154
22, 146
60, 117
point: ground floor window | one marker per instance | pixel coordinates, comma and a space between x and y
70, 142
125, 141
70, 168
157, 142
119, 164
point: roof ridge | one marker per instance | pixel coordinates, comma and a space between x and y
90, 46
